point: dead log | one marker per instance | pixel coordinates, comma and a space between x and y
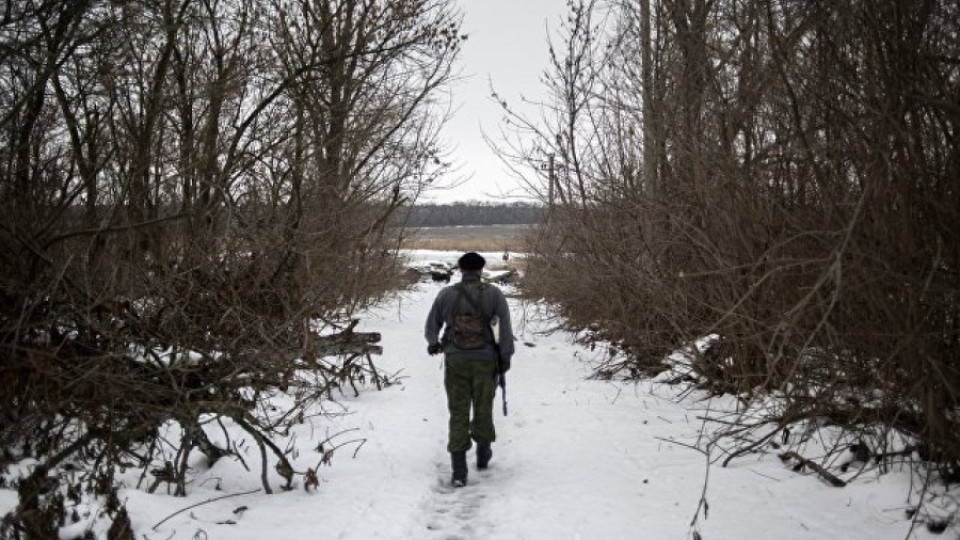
343, 344
347, 342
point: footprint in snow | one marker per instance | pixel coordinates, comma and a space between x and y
454, 513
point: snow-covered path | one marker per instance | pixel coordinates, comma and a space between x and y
575, 459
572, 458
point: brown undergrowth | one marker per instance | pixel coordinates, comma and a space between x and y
791, 186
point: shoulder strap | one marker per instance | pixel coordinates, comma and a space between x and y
473, 303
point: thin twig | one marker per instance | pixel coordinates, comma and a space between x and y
685, 445
702, 503
220, 498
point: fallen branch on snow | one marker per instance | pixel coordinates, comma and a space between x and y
813, 466
220, 498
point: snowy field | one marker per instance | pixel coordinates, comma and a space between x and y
494, 258
575, 459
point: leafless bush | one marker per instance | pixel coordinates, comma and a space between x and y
783, 174
193, 200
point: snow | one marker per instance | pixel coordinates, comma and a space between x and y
494, 258
576, 459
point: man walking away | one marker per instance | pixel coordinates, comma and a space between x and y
463, 311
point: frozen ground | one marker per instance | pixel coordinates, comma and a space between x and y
575, 459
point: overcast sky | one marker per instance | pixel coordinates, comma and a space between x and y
507, 46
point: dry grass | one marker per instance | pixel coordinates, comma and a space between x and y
476, 244
481, 238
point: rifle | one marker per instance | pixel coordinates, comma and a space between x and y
495, 329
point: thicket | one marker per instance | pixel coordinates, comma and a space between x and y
193, 200
780, 173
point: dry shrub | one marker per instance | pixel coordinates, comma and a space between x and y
781, 174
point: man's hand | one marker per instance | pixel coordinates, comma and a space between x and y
505, 363
434, 348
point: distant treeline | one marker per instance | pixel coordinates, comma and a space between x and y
470, 213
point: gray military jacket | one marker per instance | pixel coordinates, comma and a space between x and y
494, 303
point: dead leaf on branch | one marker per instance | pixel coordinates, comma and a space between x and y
311, 480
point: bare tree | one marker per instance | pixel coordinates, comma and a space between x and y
781, 174
191, 193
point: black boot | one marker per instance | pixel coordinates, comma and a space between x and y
459, 462
484, 453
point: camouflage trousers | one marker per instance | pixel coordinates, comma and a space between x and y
470, 384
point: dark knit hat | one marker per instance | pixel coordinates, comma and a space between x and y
471, 261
